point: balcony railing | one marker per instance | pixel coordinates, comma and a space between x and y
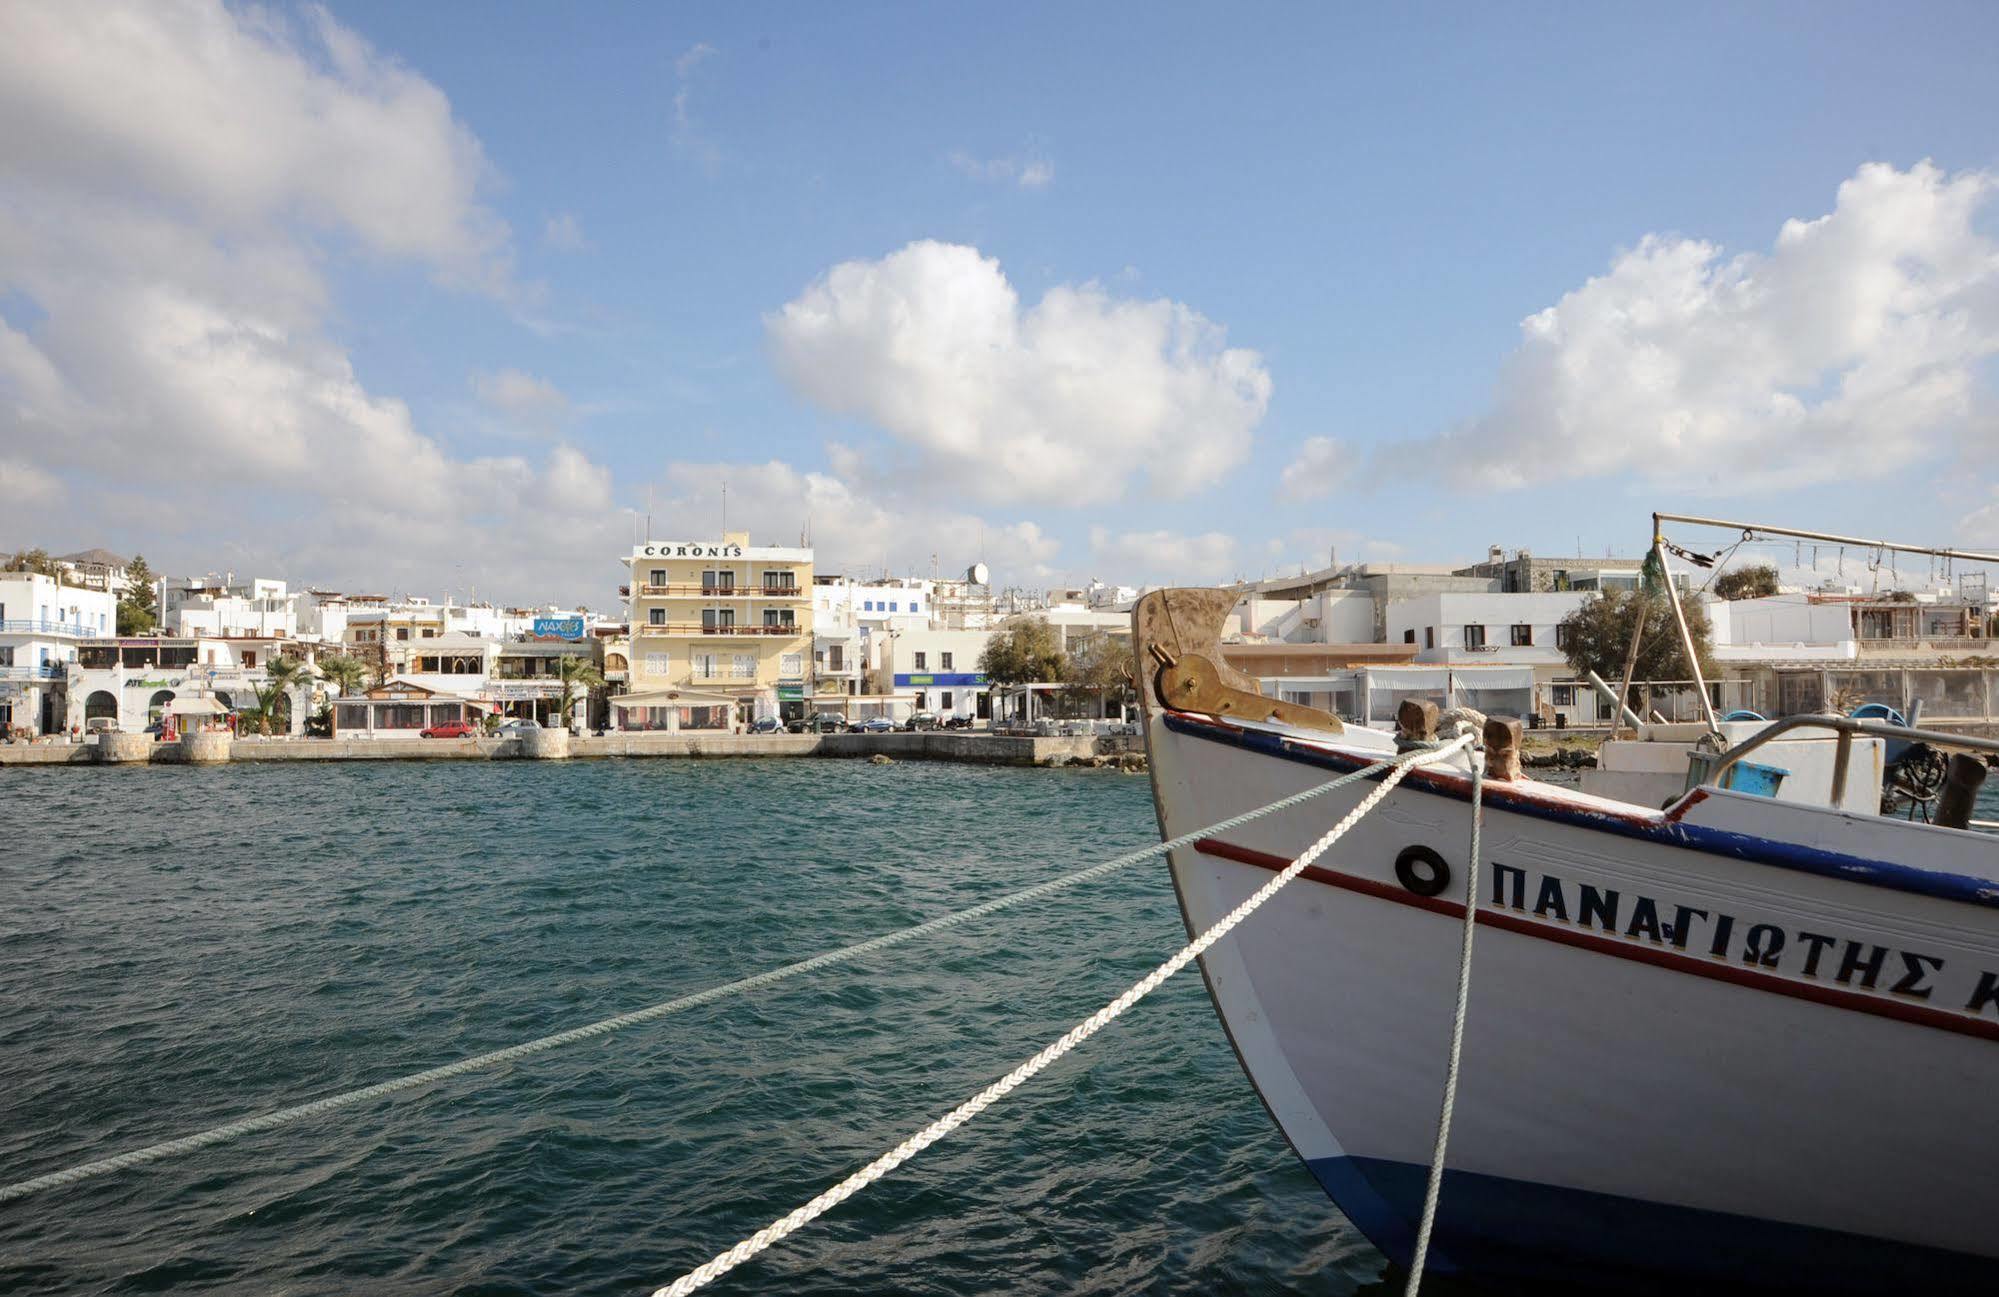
718, 591
26, 626
46, 671
698, 628
1925, 644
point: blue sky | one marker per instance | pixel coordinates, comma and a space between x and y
590, 311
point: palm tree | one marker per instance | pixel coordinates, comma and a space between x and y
279, 677
575, 672
349, 673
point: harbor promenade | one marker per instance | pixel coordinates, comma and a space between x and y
973, 749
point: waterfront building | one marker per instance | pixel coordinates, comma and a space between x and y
718, 624
1525, 574
43, 620
930, 670
399, 709
132, 682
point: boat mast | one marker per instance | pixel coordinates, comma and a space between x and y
1857, 542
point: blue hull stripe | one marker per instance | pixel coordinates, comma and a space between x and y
1640, 824
1539, 1234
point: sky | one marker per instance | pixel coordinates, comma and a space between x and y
416, 298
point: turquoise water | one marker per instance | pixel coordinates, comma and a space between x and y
180, 947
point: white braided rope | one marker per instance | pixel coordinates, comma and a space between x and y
1433, 1190
604, 1027
777, 1230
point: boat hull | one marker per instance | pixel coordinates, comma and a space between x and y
1685, 1056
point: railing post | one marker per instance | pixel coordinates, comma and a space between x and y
1842, 756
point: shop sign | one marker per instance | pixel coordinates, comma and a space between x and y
790, 693
675, 549
944, 679
156, 682
569, 628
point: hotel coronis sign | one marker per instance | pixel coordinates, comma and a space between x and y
675, 549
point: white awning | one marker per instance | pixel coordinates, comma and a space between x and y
200, 705
673, 698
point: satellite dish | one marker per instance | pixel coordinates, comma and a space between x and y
976, 574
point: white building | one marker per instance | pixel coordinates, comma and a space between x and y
928, 670
131, 681
42, 621
225, 606
97, 569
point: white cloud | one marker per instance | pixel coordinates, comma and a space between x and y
165, 171
1165, 557
1030, 171
1322, 467
1854, 342
522, 399
564, 233
1065, 401
688, 140
850, 529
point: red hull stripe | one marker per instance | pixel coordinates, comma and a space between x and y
1717, 970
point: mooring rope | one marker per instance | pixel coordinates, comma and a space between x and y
513, 1053
777, 1230
1433, 1190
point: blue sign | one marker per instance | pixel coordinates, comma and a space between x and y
946, 679
559, 627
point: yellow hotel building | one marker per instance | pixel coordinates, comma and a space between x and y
721, 634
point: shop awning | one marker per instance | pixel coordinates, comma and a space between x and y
200, 705
673, 698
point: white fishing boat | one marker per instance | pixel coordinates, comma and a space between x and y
1733, 1041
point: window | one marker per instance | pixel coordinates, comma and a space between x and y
894, 607
779, 580
836, 657
1564, 695
919, 660
725, 581
1429, 637
1565, 636
716, 620
1409, 636
743, 666
922, 701
249, 658
706, 666
791, 666
944, 701
657, 577
779, 617
428, 633
868, 605
1523, 636
1474, 637
402, 632
656, 616
944, 664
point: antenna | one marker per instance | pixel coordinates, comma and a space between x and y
725, 506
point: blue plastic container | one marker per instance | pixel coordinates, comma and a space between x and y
1756, 780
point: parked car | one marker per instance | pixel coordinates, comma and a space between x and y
957, 722
101, 725
922, 721
825, 723
766, 725
513, 729
450, 730
875, 725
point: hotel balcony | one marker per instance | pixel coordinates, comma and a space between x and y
46, 671
25, 626
682, 629
698, 591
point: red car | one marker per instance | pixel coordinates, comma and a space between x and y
450, 730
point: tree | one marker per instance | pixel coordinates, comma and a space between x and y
138, 608
1597, 637
1758, 581
1100, 666
576, 672
34, 560
349, 673
1024, 651
273, 700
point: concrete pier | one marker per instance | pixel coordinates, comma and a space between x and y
936, 745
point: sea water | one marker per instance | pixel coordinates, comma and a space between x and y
180, 947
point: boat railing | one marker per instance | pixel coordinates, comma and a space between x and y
1845, 727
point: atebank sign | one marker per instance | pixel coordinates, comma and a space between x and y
675, 549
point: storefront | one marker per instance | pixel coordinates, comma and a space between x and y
398, 709
674, 710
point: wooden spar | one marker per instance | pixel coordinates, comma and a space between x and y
1971, 556
1686, 636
